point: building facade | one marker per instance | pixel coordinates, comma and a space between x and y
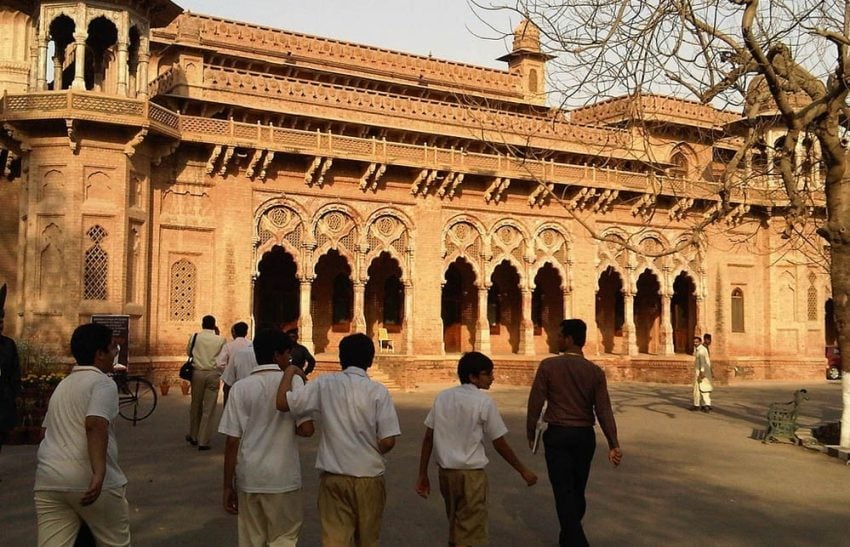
168, 165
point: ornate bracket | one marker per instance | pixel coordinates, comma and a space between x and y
14, 139
372, 176
161, 152
73, 138
424, 180
644, 206
680, 209
540, 194
213, 158
252, 165
134, 143
497, 189
606, 201
225, 163
584, 198
321, 165
266, 162
450, 185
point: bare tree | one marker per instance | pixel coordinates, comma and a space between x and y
782, 64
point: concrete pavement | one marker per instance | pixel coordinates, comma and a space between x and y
687, 478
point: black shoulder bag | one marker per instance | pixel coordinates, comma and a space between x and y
187, 368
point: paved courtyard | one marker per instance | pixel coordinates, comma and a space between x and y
686, 479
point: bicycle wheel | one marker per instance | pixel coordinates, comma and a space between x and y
139, 400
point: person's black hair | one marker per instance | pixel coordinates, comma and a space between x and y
473, 363
576, 329
706, 336
87, 340
208, 322
267, 342
356, 350
240, 329
290, 332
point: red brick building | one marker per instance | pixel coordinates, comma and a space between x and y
167, 165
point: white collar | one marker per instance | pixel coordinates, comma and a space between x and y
81, 368
357, 371
261, 368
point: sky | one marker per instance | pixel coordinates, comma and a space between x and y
442, 28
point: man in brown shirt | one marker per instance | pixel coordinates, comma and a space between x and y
574, 390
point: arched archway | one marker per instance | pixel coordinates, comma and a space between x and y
459, 307
683, 313
384, 296
647, 310
60, 51
504, 309
547, 309
276, 292
610, 311
332, 301
101, 60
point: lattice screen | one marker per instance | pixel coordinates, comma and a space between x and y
183, 290
96, 266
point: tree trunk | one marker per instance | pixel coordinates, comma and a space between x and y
838, 231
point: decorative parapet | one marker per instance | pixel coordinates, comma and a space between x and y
653, 108
473, 119
385, 63
75, 105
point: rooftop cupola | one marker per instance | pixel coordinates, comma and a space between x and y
99, 45
528, 62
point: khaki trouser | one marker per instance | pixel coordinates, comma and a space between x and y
202, 411
465, 494
272, 520
351, 508
59, 515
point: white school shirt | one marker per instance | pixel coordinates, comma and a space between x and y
241, 365
267, 461
355, 412
461, 418
225, 357
63, 456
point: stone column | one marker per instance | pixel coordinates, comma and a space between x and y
629, 338
58, 63
41, 77
80, 62
666, 326
359, 319
123, 69
700, 315
144, 59
305, 318
407, 324
482, 330
526, 335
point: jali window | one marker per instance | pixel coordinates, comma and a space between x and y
96, 266
184, 277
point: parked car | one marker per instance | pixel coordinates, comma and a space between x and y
833, 363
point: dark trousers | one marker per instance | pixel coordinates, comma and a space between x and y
569, 452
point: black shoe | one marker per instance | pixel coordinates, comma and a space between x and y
190, 440
202, 448
706, 409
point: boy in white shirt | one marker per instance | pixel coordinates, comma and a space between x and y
359, 426
77, 477
460, 419
262, 471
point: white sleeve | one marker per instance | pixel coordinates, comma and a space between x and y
494, 426
304, 400
387, 419
104, 400
298, 383
230, 424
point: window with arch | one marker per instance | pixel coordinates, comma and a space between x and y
681, 166
737, 310
184, 278
393, 301
532, 81
96, 266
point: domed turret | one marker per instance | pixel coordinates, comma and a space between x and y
528, 62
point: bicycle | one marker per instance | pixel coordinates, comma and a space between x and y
136, 397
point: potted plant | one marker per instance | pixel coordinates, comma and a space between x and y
185, 387
165, 385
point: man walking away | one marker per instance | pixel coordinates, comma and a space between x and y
301, 356
575, 389
359, 425
205, 381
239, 332
262, 470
